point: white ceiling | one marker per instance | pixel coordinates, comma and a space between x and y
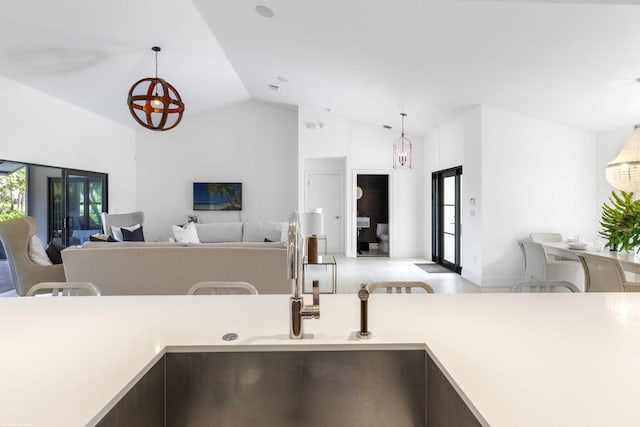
573, 62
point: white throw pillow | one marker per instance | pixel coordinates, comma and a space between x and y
37, 252
117, 233
186, 234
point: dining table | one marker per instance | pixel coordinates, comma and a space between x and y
630, 261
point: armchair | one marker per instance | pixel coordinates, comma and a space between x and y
15, 235
120, 220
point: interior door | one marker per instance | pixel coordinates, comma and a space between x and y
325, 190
85, 196
446, 224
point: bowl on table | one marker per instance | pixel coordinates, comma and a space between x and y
577, 245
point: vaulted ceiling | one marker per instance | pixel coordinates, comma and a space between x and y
572, 62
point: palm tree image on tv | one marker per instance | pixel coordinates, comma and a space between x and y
223, 196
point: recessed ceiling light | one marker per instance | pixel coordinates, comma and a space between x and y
282, 79
274, 88
264, 11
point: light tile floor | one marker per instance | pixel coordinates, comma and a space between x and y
354, 271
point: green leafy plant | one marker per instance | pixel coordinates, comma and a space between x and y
621, 222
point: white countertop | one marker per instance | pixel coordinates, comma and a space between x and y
520, 359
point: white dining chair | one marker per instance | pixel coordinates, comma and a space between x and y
603, 274
64, 289
399, 286
546, 237
544, 286
539, 267
222, 288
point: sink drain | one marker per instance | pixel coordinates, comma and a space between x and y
231, 336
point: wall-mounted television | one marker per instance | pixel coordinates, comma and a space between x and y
217, 196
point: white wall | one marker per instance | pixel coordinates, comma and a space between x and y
456, 143
253, 143
368, 148
536, 176
525, 175
38, 128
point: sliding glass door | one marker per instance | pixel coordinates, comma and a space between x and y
446, 225
75, 203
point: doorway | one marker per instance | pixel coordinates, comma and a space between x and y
446, 226
76, 202
325, 190
65, 203
372, 215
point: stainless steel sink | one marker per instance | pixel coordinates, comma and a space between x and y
292, 388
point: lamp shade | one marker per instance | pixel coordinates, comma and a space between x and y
623, 172
313, 223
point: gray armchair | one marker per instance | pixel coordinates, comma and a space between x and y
120, 220
15, 235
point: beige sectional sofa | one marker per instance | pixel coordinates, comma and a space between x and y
138, 268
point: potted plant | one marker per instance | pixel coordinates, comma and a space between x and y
621, 222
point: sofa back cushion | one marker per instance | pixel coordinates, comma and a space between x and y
220, 232
259, 231
117, 269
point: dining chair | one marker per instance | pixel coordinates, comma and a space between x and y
222, 288
544, 286
549, 237
539, 267
603, 274
65, 289
546, 237
399, 286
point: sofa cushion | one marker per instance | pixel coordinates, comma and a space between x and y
186, 234
281, 245
37, 252
220, 232
258, 231
117, 232
54, 252
136, 235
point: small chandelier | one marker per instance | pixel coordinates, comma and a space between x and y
623, 172
154, 103
402, 150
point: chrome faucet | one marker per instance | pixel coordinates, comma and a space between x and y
299, 311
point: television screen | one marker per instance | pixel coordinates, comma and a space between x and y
217, 196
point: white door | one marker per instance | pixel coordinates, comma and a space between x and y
325, 190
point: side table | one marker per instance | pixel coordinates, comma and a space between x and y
326, 260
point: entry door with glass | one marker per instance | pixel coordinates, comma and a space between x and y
446, 218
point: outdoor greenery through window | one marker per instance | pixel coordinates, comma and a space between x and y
13, 194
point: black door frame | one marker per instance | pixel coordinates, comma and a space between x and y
437, 217
66, 173
358, 174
